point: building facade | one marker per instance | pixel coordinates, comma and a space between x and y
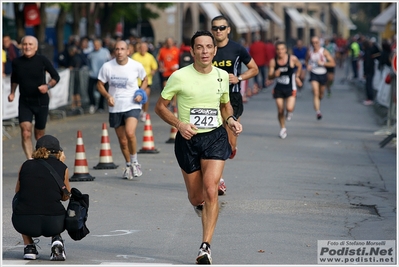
285, 21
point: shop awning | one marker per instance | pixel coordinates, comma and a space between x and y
387, 15
247, 14
252, 16
273, 16
310, 21
321, 24
296, 17
210, 10
340, 15
314, 22
235, 17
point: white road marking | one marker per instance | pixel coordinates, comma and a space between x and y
124, 232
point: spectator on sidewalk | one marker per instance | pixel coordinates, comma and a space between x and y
332, 48
300, 51
371, 53
96, 60
354, 52
12, 52
258, 51
75, 64
38, 210
270, 54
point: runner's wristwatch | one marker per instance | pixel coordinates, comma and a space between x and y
232, 116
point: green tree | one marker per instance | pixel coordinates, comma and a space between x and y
362, 14
112, 13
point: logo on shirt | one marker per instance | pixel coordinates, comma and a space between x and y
119, 82
223, 63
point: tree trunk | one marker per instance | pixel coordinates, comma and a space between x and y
105, 20
92, 15
41, 29
19, 22
59, 26
77, 15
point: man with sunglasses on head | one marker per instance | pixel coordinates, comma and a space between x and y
317, 61
229, 57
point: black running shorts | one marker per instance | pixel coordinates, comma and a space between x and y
330, 69
119, 118
283, 93
29, 107
320, 78
236, 103
211, 145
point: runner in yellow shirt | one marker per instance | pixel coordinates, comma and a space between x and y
151, 66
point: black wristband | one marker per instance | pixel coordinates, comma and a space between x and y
232, 116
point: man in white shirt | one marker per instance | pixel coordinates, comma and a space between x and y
122, 73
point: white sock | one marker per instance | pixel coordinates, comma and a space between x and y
133, 158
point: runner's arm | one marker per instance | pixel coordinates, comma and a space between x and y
330, 60
104, 93
226, 111
272, 66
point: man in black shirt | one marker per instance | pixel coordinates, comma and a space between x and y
29, 73
229, 57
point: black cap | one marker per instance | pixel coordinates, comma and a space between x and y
49, 142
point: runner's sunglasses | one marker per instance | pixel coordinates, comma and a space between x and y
220, 28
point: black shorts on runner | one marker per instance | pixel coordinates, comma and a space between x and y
119, 118
27, 108
283, 93
320, 78
330, 69
236, 103
211, 145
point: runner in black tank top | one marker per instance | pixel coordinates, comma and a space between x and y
285, 69
284, 83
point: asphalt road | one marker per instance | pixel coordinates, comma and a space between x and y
328, 180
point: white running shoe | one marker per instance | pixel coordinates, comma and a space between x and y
204, 255
57, 250
128, 173
143, 116
283, 133
289, 116
136, 169
92, 109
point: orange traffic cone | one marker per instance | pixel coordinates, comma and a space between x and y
106, 161
173, 130
148, 137
81, 171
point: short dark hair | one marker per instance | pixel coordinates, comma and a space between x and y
202, 33
221, 17
280, 43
